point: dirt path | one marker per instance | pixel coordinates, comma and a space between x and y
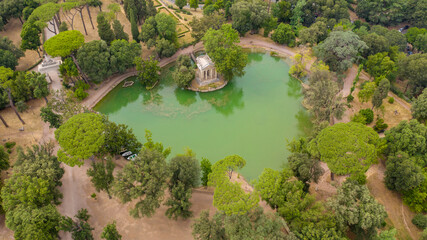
398, 214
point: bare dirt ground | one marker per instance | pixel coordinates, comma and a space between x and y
398, 214
12, 30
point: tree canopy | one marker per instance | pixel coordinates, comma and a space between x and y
419, 107
340, 50
346, 147
80, 137
64, 43
220, 45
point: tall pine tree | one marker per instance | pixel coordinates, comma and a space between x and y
104, 29
134, 26
118, 31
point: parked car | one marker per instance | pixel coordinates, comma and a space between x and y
126, 154
132, 157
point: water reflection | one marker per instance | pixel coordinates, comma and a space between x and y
122, 101
304, 124
185, 97
255, 58
294, 88
225, 100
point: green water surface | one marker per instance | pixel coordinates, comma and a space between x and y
252, 116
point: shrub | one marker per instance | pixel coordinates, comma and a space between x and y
391, 100
420, 220
21, 106
80, 94
9, 145
358, 117
369, 115
380, 126
350, 98
9, 151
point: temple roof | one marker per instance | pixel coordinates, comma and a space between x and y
203, 62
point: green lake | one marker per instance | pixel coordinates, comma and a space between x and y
253, 116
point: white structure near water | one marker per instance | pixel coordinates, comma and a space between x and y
206, 72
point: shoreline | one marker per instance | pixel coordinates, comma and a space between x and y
100, 91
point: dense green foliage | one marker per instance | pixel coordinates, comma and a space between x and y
356, 209
30, 194
80, 137
64, 43
252, 225
184, 71
93, 57
104, 29
119, 33
4, 159
340, 50
284, 34
248, 15
201, 25
419, 107
322, 95
123, 54
229, 197
220, 45
347, 148
144, 179
110, 232
80, 228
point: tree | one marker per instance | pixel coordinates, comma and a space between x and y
37, 82
119, 137
101, 175
7, 59
64, 105
4, 159
166, 26
94, 59
81, 137
411, 68
28, 222
248, 15
6, 81
305, 167
134, 27
284, 34
205, 228
252, 225
409, 137
185, 175
314, 34
148, 71
380, 93
229, 197
80, 228
110, 232
403, 173
206, 167
119, 33
144, 179
347, 148
340, 50
46, 13
376, 44
194, 4
419, 107
380, 64
220, 45
366, 92
7, 45
372, 10
282, 11
40, 162
184, 72
355, 208
322, 95
201, 25
421, 42
149, 32
164, 48
123, 54
396, 38
104, 29
151, 10
181, 3
65, 44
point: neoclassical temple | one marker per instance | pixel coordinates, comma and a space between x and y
206, 72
